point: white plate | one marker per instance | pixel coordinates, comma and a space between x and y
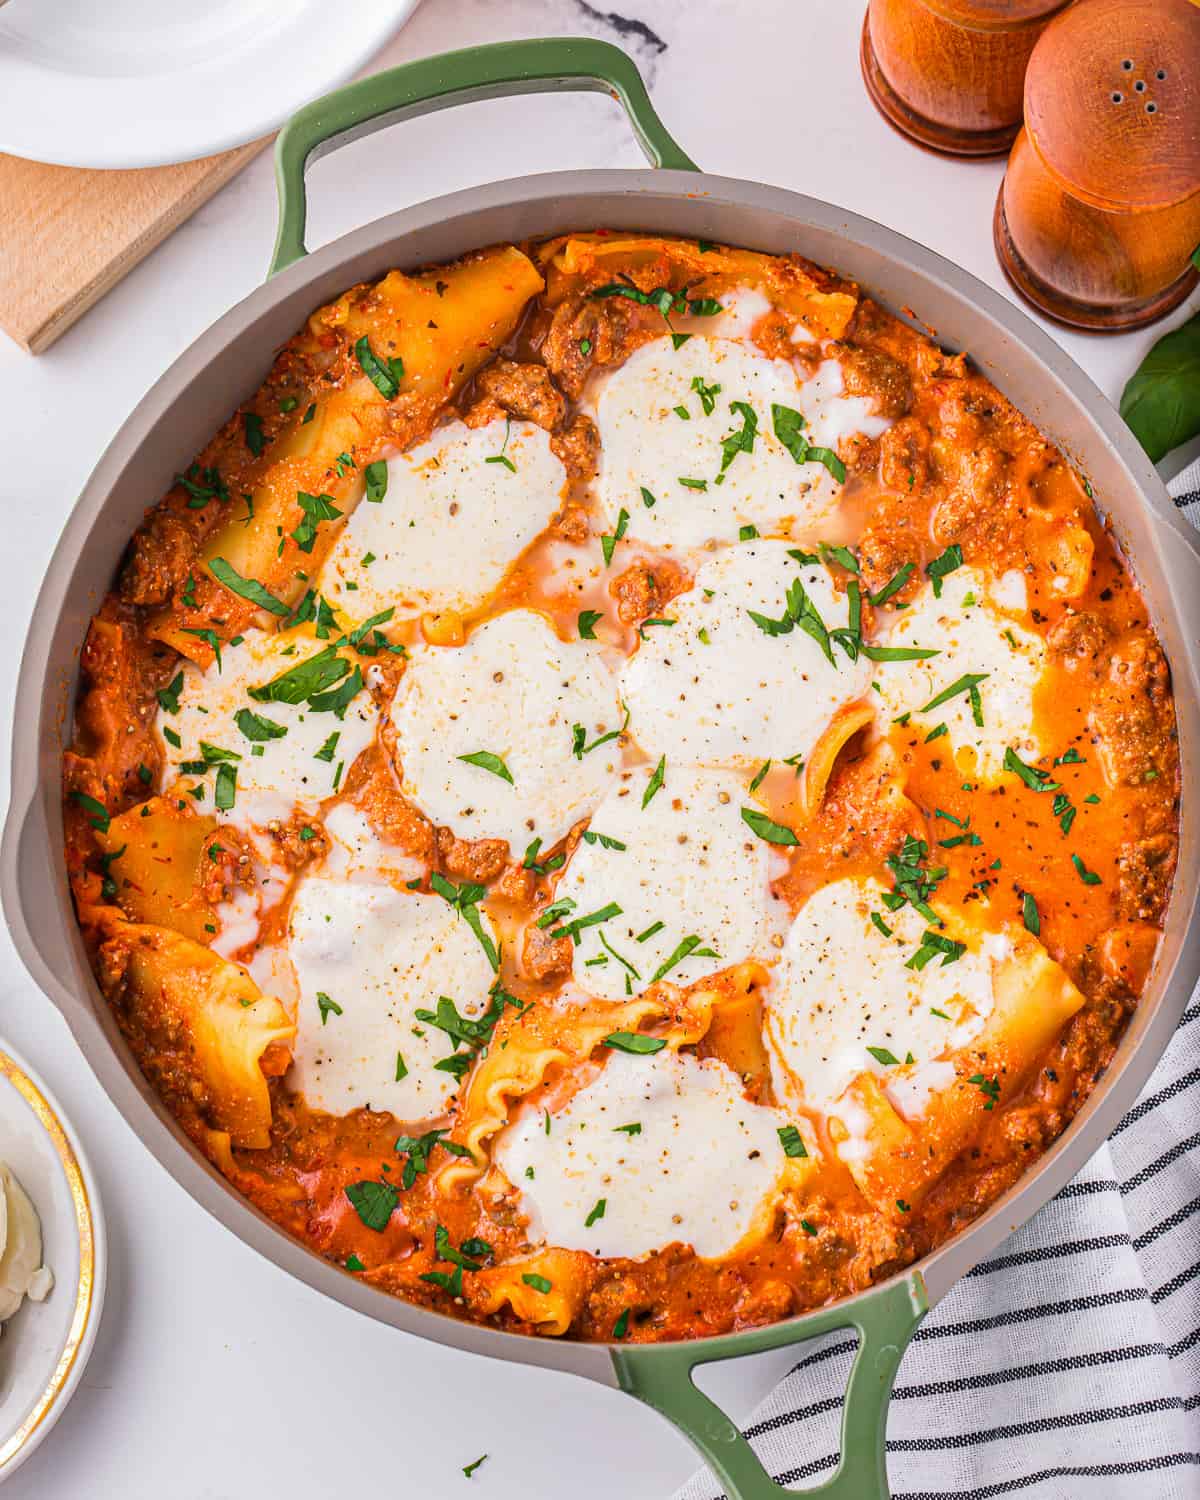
138, 83
46, 1345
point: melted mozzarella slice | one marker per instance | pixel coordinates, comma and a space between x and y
715, 688
844, 987
287, 774
694, 1174
451, 523
647, 445
971, 636
516, 692
689, 863
381, 955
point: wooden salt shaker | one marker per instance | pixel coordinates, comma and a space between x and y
948, 73
1099, 210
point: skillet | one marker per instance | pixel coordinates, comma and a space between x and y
226, 364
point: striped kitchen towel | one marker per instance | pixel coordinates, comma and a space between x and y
1066, 1367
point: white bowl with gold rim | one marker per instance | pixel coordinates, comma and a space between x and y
45, 1345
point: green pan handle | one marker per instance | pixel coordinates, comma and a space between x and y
886, 1318
537, 66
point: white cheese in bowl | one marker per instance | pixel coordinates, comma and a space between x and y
22, 1273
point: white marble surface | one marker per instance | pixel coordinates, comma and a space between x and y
215, 1377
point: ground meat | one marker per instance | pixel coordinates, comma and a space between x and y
859, 453
904, 456
577, 447
872, 373
640, 592
516, 884
1132, 715
976, 508
883, 549
1079, 639
478, 860
766, 1302
572, 524
591, 332
299, 841
523, 391
159, 561
544, 957
371, 787
1145, 868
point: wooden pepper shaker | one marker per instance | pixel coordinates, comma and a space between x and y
948, 73
1099, 210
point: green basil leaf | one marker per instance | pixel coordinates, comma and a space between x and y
1161, 403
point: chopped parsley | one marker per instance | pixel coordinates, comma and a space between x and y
967, 683
464, 899
988, 1087
327, 1007
417, 1150
689, 947
258, 728
1089, 877
316, 508
635, 1043
655, 783
96, 812
741, 440
376, 475
893, 586
945, 562
1035, 780
384, 374
789, 429
608, 542
792, 1141
766, 828
373, 1202
247, 588
588, 619
486, 761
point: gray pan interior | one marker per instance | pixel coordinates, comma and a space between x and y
229, 362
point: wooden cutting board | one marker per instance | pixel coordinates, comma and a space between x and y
67, 235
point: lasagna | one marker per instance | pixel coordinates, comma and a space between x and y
626, 794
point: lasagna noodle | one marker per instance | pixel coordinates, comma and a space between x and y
156, 858
895, 1159
821, 303
543, 1037
564, 1274
201, 1018
442, 326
